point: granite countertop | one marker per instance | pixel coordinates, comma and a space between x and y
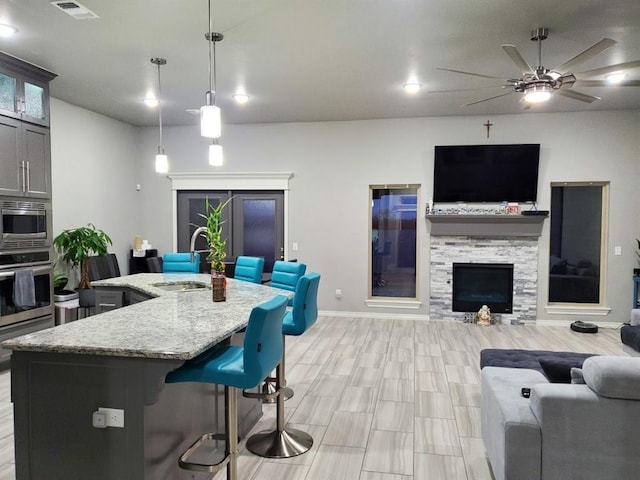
173, 325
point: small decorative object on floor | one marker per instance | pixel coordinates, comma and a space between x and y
484, 316
219, 286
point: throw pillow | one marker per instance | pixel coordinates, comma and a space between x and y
576, 376
558, 369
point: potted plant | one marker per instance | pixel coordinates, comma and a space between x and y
75, 246
216, 246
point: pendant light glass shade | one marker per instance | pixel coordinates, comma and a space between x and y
216, 159
210, 121
162, 162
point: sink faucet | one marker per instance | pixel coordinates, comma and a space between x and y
192, 247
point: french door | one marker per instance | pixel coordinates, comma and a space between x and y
253, 223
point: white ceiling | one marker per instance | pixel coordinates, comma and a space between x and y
316, 60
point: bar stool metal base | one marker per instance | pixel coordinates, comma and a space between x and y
268, 389
284, 444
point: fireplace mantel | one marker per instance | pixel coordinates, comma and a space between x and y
487, 225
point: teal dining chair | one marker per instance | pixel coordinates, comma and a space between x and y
249, 269
180, 263
234, 367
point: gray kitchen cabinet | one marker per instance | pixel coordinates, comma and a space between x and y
24, 90
110, 298
25, 159
25, 147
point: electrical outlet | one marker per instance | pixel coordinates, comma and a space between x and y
294, 246
115, 416
617, 250
338, 293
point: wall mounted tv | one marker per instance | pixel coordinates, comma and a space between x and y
486, 173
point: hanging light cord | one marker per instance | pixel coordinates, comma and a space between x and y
160, 105
210, 51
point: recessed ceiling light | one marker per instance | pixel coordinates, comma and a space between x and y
412, 87
241, 97
615, 77
7, 30
150, 101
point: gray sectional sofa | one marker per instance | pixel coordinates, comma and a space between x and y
585, 431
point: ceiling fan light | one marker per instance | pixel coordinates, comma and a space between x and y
615, 77
210, 121
412, 87
537, 94
216, 159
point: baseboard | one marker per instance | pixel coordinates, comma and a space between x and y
566, 323
389, 316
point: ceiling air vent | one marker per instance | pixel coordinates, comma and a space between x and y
77, 11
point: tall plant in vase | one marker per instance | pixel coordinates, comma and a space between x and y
216, 245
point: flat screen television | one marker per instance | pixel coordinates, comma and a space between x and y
486, 173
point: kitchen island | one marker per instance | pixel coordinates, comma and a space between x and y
119, 359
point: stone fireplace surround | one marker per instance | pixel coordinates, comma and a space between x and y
521, 251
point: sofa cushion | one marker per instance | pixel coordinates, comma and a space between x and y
558, 368
576, 376
613, 377
630, 336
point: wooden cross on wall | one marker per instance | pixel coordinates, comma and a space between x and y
488, 125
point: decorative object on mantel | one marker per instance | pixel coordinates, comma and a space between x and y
213, 235
484, 315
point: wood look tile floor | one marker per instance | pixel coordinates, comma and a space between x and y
382, 399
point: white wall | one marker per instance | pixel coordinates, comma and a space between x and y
334, 163
94, 175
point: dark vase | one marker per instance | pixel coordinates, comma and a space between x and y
219, 286
86, 297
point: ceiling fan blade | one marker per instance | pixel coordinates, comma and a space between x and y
610, 69
469, 73
605, 83
456, 90
585, 55
520, 62
487, 99
583, 97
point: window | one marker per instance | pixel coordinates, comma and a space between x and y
577, 243
393, 241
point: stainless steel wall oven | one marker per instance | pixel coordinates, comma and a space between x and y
39, 263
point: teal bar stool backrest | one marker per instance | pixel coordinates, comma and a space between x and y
285, 275
180, 263
305, 306
246, 366
249, 269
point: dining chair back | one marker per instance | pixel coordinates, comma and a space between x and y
249, 269
180, 263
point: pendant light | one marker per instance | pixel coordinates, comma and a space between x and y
210, 119
162, 162
215, 154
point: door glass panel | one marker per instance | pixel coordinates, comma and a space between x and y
393, 242
7, 93
34, 100
259, 230
575, 243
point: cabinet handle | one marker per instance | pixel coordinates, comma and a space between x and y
107, 304
24, 179
28, 177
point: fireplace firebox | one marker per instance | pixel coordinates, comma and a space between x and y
477, 284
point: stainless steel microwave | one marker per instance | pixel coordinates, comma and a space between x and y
25, 224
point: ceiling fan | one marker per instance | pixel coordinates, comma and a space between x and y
538, 84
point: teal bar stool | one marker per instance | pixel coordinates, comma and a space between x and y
180, 263
249, 269
288, 442
285, 275
235, 367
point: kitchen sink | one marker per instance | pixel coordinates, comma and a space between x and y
180, 286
